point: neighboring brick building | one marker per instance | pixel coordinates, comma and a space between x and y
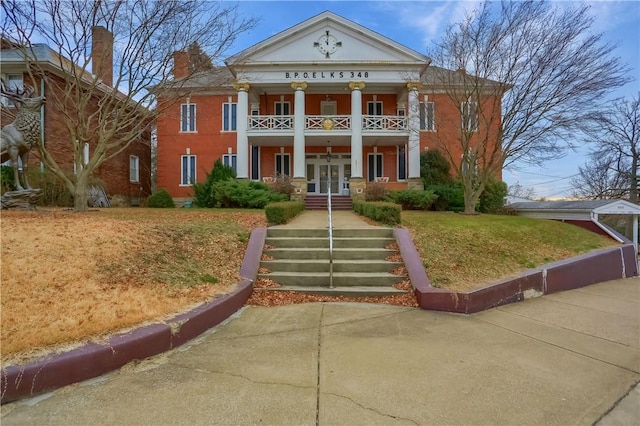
127, 176
326, 85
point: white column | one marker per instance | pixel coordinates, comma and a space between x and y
299, 169
356, 128
242, 140
414, 131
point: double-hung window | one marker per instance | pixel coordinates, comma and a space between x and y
374, 108
230, 160
134, 169
469, 116
375, 167
283, 108
229, 116
188, 117
188, 175
282, 164
427, 116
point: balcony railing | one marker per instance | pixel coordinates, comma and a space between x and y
328, 122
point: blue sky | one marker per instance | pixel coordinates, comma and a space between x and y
418, 24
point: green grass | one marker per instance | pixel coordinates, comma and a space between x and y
464, 252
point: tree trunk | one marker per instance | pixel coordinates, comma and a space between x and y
80, 199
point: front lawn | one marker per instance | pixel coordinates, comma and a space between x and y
462, 252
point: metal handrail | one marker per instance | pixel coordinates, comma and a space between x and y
330, 231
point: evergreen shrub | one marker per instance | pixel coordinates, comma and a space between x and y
160, 199
411, 199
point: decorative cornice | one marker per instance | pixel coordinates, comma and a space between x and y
414, 85
299, 85
241, 86
356, 85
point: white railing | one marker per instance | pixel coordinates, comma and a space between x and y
271, 122
327, 122
330, 230
384, 122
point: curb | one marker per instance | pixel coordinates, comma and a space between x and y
93, 359
591, 268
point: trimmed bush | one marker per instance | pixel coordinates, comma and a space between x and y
387, 213
161, 199
450, 197
232, 193
411, 199
7, 181
493, 197
279, 213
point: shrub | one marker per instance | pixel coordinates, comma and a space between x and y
282, 212
376, 192
282, 184
54, 191
493, 197
7, 179
411, 199
232, 193
160, 199
203, 191
449, 197
435, 168
387, 213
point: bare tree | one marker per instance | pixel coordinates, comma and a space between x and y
528, 77
599, 179
615, 154
110, 112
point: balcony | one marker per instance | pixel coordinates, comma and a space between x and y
314, 124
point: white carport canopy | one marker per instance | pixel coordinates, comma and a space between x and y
581, 210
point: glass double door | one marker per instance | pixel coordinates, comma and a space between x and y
323, 176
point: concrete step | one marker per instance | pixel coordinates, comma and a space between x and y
354, 291
323, 253
323, 242
337, 233
340, 279
315, 265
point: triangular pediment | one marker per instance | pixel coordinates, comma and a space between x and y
327, 39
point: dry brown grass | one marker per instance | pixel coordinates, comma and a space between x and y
68, 277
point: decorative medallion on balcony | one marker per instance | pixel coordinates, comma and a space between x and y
328, 123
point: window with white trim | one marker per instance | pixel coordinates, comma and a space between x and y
134, 169
469, 116
188, 117
188, 170
229, 116
282, 108
283, 163
230, 160
427, 116
469, 164
85, 159
14, 82
374, 108
375, 168
402, 162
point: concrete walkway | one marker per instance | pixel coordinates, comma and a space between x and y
566, 358
319, 219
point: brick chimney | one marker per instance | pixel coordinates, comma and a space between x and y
180, 64
102, 54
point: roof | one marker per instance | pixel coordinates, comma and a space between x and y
596, 206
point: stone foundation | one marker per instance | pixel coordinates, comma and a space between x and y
415, 184
299, 189
358, 189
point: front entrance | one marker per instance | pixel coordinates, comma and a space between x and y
323, 176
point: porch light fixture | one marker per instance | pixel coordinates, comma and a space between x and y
328, 156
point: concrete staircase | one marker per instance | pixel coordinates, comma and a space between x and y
301, 261
319, 202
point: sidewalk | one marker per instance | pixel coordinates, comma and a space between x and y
566, 358
319, 219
